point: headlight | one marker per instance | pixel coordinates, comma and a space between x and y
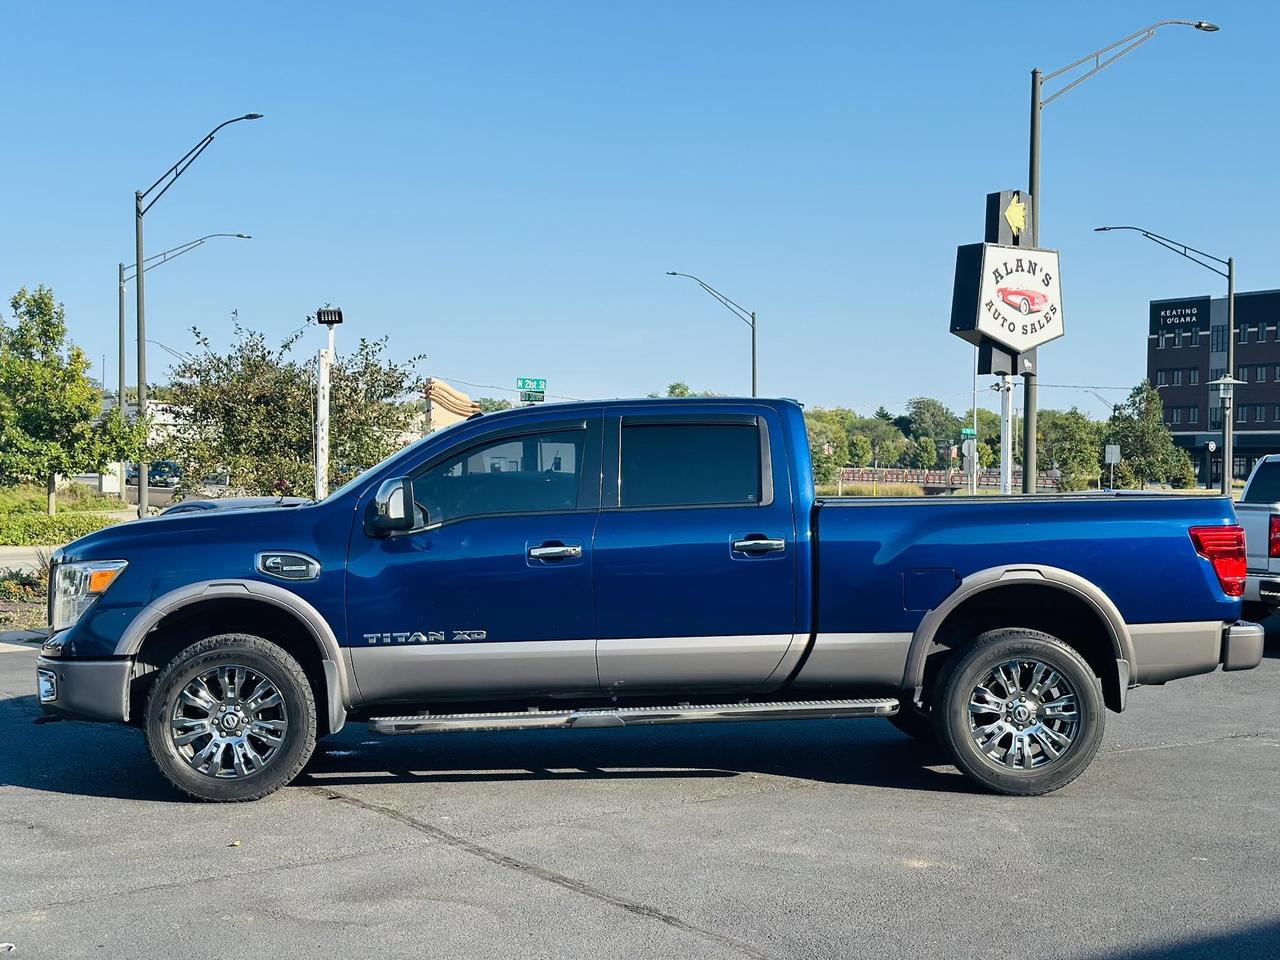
76, 585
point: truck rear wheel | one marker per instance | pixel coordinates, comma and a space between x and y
231, 718
1020, 712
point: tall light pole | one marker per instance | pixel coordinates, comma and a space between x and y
746, 316
140, 208
1101, 60
152, 261
1194, 255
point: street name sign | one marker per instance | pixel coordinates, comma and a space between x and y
531, 383
968, 432
532, 396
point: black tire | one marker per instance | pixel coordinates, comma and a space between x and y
957, 686
915, 724
263, 659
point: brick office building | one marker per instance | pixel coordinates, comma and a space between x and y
1187, 348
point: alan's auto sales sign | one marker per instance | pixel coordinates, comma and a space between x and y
1011, 295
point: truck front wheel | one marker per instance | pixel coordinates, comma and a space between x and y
1020, 712
231, 718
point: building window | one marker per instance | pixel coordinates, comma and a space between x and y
1260, 374
1243, 374
1195, 337
1215, 418
1193, 414
1177, 414
1162, 378
1193, 376
1242, 335
1242, 414
1259, 414
1218, 338
1177, 378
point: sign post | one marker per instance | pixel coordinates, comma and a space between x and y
1112, 457
1007, 301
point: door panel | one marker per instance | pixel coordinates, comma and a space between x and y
684, 597
491, 605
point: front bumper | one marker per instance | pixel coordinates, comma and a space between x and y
84, 689
1242, 646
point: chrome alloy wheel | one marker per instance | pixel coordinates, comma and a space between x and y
1023, 715
228, 722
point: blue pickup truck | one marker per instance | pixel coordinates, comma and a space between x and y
637, 562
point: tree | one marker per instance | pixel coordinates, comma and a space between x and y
250, 412
1071, 445
1146, 448
680, 389
51, 419
828, 444
923, 453
929, 418
492, 404
860, 454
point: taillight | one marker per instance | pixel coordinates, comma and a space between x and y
1273, 536
1223, 547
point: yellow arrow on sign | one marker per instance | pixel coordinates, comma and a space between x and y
1016, 215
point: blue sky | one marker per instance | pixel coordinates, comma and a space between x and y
501, 186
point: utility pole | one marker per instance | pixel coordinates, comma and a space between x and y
1228, 422
330, 317
121, 468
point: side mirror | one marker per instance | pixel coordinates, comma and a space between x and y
392, 508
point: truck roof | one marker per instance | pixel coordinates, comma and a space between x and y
570, 405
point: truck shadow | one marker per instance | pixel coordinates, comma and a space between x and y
106, 760
865, 752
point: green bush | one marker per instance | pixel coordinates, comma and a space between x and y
38, 529
22, 587
32, 498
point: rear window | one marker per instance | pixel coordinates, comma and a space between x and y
1265, 485
693, 464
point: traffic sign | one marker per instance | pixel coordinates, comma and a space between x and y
968, 432
532, 396
970, 448
1112, 453
531, 383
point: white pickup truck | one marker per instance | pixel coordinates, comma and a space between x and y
1259, 513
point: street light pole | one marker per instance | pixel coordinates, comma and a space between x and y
120, 403
1194, 255
139, 212
1038, 103
171, 254
746, 316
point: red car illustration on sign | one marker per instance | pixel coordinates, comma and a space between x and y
1027, 301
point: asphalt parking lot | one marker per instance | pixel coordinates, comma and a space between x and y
802, 839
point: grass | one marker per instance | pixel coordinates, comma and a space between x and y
870, 490
76, 498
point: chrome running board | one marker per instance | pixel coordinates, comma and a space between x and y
633, 716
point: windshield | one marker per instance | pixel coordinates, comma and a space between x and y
361, 477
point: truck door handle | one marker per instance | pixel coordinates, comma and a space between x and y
555, 552
759, 545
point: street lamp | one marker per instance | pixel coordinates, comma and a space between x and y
1039, 102
1194, 255
746, 316
152, 261
140, 208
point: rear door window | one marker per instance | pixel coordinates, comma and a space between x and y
1265, 485
689, 464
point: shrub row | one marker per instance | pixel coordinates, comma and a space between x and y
38, 529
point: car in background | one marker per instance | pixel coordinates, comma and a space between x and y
1259, 513
230, 503
1027, 301
162, 473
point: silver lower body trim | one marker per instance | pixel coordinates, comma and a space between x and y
1167, 651
634, 665
876, 659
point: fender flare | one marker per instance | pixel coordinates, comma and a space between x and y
340, 688
993, 578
